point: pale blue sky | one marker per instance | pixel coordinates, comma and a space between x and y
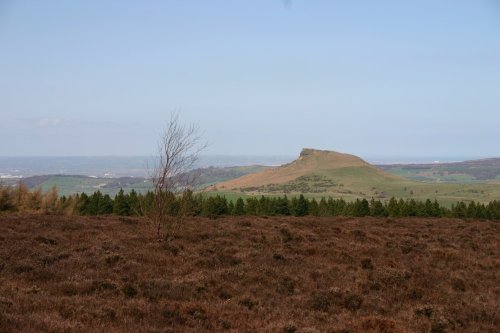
372, 78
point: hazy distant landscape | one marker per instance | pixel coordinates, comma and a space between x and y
470, 171
110, 174
116, 166
140, 166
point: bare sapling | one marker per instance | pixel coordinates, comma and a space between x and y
179, 148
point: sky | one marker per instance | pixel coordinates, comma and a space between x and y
414, 78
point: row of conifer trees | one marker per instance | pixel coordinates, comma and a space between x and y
191, 204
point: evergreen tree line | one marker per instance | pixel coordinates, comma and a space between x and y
190, 204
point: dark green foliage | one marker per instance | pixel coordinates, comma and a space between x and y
120, 204
190, 204
281, 206
313, 208
214, 206
393, 207
323, 209
81, 203
105, 205
360, 208
252, 206
134, 207
263, 207
377, 208
96, 204
230, 207
146, 203
239, 207
299, 206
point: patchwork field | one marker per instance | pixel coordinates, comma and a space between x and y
249, 274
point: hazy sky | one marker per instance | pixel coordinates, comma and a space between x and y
373, 78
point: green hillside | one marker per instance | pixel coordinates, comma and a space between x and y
474, 171
323, 173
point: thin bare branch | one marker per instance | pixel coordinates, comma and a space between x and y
179, 147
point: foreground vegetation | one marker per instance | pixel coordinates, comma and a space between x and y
248, 274
190, 204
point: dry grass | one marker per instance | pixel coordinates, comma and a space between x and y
109, 274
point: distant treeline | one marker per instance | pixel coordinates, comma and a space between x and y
189, 204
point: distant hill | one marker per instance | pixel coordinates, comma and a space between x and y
327, 173
320, 166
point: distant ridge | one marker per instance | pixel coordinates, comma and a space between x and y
470, 171
310, 162
489, 162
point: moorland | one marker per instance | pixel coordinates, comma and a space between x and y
246, 274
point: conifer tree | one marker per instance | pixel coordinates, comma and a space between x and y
82, 203
282, 206
323, 207
120, 204
239, 207
313, 207
377, 208
105, 205
301, 207
252, 206
133, 203
361, 208
215, 206
393, 208
230, 207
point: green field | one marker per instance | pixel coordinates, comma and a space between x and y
352, 183
67, 185
446, 196
459, 172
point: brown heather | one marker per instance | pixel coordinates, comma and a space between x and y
249, 274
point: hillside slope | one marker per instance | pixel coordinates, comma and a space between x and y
321, 173
312, 165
